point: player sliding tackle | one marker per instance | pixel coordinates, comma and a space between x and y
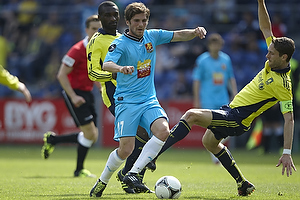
270, 86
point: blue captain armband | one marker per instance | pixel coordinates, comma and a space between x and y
286, 106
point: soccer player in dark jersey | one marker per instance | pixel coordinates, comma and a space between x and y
77, 92
271, 85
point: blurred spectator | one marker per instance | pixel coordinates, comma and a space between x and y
222, 12
27, 11
51, 29
214, 82
4, 49
31, 62
279, 29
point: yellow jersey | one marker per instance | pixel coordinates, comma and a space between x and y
265, 90
97, 49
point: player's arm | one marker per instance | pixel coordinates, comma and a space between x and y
188, 34
95, 63
23, 89
232, 87
286, 159
113, 67
196, 90
96, 72
264, 19
13, 83
62, 77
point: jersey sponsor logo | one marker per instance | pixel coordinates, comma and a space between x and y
144, 68
112, 47
149, 47
218, 78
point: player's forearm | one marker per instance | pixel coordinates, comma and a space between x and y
288, 131
263, 17
188, 34
111, 67
66, 85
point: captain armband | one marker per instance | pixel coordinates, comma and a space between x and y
286, 106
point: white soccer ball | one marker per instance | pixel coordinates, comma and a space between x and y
168, 187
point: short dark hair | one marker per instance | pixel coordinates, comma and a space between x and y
215, 37
105, 4
135, 8
92, 18
284, 45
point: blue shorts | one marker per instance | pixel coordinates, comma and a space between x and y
225, 123
129, 116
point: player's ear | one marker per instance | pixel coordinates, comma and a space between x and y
127, 22
284, 57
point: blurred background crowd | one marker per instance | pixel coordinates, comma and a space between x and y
36, 34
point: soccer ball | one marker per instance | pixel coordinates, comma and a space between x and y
168, 187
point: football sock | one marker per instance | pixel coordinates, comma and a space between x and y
81, 154
83, 146
228, 162
177, 133
112, 164
139, 143
70, 138
149, 152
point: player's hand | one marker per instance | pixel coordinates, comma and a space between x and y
78, 101
22, 88
287, 164
127, 69
200, 32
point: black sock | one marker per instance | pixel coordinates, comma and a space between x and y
81, 154
228, 162
139, 144
177, 133
70, 138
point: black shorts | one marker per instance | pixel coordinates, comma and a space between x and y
86, 112
225, 123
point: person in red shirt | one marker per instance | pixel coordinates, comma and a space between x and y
77, 92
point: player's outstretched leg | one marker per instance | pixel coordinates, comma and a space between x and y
245, 188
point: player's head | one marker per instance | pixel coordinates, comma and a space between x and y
108, 14
136, 17
92, 24
134, 9
215, 42
285, 46
280, 52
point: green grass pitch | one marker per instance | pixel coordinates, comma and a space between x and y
25, 175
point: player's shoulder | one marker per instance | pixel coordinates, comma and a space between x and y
204, 56
77, 46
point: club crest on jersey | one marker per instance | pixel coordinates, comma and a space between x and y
112, 47
149, 47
